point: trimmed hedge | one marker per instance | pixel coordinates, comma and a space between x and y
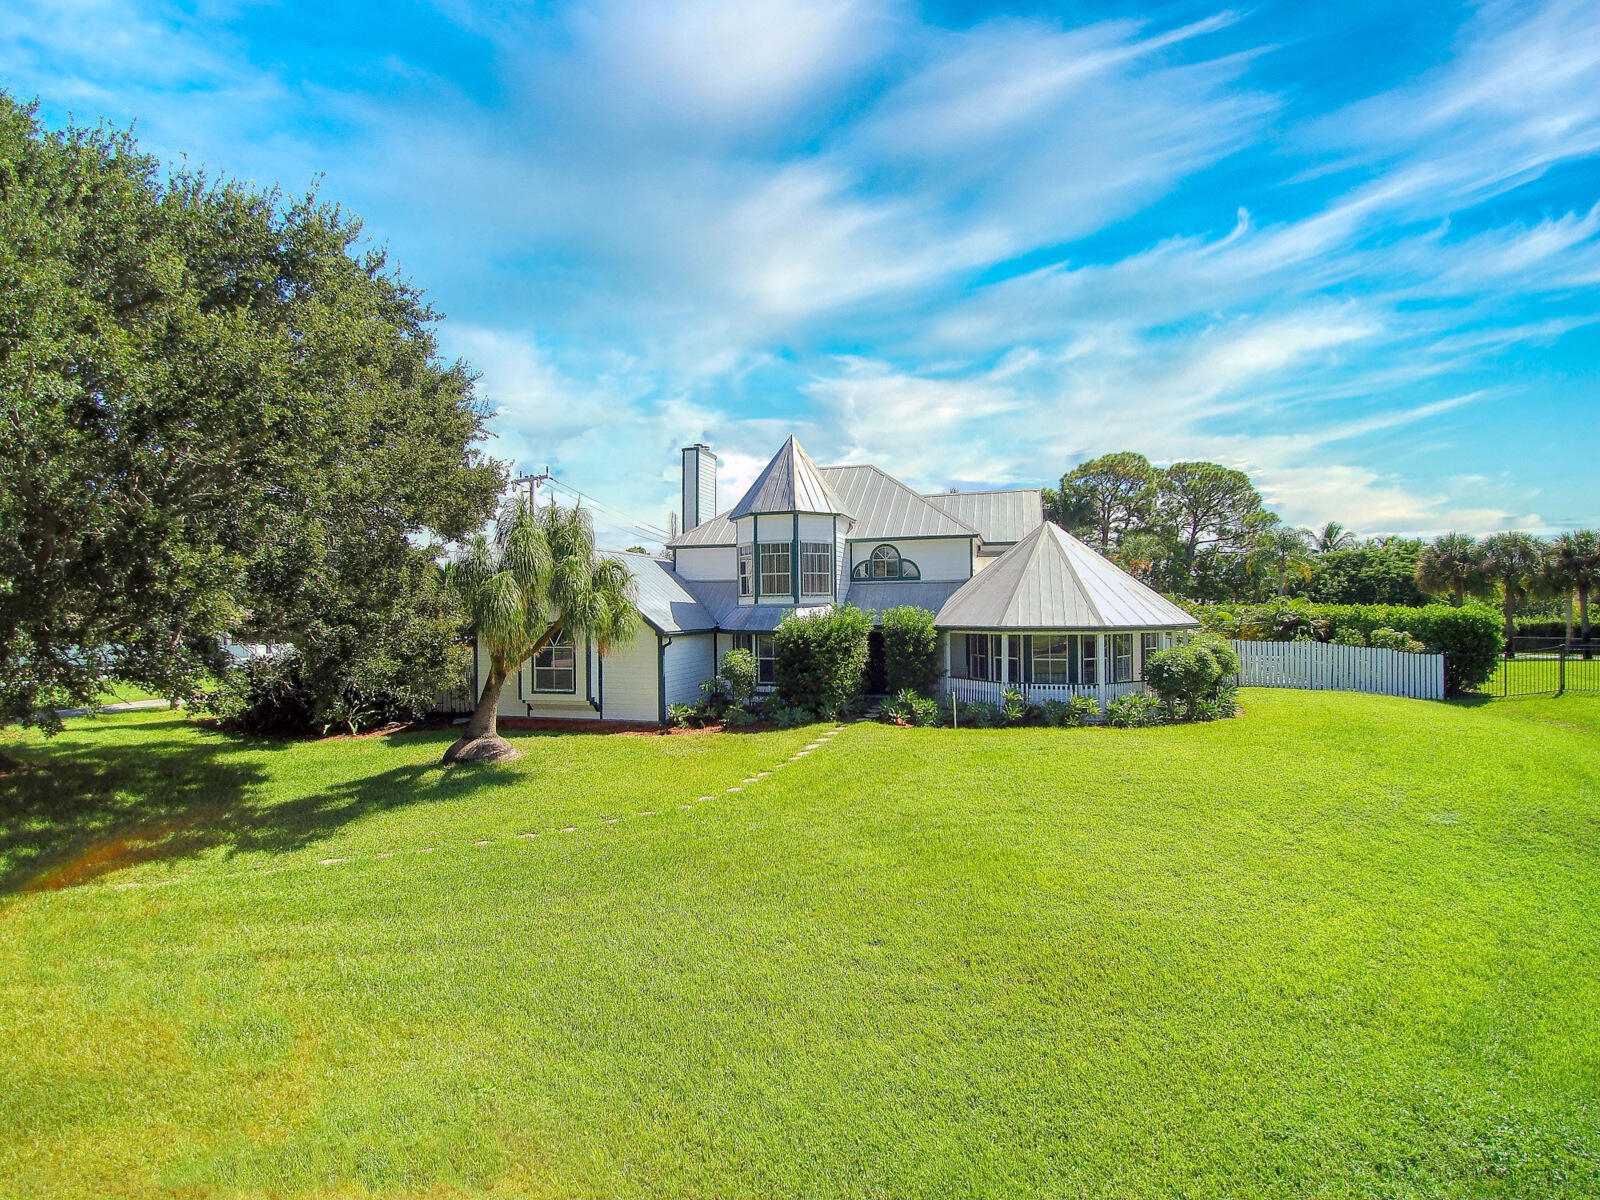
910, 650
1469, 637
821, 659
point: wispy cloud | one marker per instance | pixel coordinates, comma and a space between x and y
970, 252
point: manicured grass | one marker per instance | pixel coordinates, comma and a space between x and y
1533, 673
1341, 945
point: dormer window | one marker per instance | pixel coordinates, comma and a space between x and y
885, 562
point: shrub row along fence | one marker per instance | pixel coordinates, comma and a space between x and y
1324, 666
1547, 667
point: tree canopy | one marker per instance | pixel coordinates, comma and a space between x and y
218, 413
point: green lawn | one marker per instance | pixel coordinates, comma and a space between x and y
1342, 945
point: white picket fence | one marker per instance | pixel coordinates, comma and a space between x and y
1322, 666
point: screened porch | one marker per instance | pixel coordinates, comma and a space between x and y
980, 665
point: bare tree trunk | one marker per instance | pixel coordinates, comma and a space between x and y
1569, 623
1458, 594
1509, 608
480, 741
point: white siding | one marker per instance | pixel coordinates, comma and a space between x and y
936, 558
688, 665
706, 562
630, 683
518, 699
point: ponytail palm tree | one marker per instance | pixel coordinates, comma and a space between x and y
1452, 566
536, 579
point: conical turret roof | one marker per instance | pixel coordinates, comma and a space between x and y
789, 483
1051, 580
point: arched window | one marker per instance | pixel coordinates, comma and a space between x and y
885, 563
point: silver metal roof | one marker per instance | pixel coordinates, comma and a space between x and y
1051, 580
1001, 517
720, 598
789, 483
875, 596
664, 603
886, 508
718, 531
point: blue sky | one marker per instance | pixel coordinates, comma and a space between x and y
1352, 248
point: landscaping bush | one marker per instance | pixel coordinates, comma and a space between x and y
1137, 709
1069, 713
910, 650
1385, 638
784, 715
738, 676
274, 696
1349, 637
910, 707
1201, 668
821, 658
1469, 637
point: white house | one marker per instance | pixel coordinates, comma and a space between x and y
1019, 603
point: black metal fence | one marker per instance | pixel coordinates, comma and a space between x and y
1545, 666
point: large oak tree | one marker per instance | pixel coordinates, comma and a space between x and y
217, 413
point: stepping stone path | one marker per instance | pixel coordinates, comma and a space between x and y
822, 739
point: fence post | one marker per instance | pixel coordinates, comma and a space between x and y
1561, 672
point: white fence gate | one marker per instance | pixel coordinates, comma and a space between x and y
1322, 666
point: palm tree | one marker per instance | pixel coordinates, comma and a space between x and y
1334, 536
1452, 566
1281, 550
538, 577
1515, 561
1575, 568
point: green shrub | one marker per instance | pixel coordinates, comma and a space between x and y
1015, 708
277, 696
684, 716
1136, 709
1385, 638
737, 716
909, 707
910, 650
821, 658
784, 715
739, 676
1200, 668
1059, 714
1349, 637
1469, 637
973, 714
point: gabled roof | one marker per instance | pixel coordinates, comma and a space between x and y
886, 508
1051, 580
718, 531
790, 483
1001, 517
663, 601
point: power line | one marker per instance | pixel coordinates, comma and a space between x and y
644, 528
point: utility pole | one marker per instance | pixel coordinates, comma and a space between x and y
533, 482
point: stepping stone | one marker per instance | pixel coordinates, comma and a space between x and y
649, 812
426, 850
736, 789
609, 820
120, 886
385, 854
687, 807
752, 779
703, 800
327, 862
484, 842
762, 774
527, 835
570, 829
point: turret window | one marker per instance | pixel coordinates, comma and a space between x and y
776, 569
816, 568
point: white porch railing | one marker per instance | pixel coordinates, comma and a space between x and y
990, 691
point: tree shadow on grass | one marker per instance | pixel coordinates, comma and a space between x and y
77, 812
